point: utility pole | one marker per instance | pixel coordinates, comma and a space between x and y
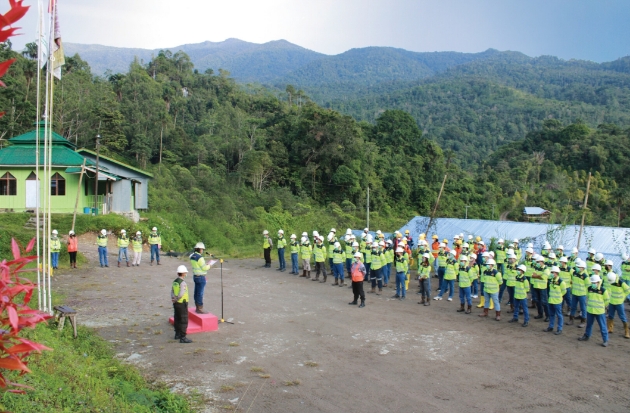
467, 206
368, 207
493, 205
436, 204
588, 187
98, 148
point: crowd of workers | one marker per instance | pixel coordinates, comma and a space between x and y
552, 282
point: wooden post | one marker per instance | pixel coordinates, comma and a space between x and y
436, 206
368, 207
588, 187
76, 203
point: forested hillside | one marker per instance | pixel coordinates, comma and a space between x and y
230, 161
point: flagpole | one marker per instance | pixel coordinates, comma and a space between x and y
37, 151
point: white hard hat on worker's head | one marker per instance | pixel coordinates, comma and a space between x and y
123, 231
364, 235
580, 264
280, 232
442, 245
369, 238
540, 258
465, 245
293, 236
564, 259
200, 245
530, 250
547, 245
511, 257
265, 232
71, 232
463, 258
355, 244
366, 230
491, 262
472, 257
625, 257
348, 231
378, 231
138, 233
182, 269
381, 243
555, 269
515, 240
54, 232
596, 267
500, 241
103, 231
510, 251
337, 245
530, 245
491, 253
331, 236
612, 277
358, 255
470, 238
455, 236
334, 231
560, 247
400, 249
575, 250
511, 246
552, 255
154, 229
389, 241
599, 256
482, 243
304, 239
592, 251
595, 278
305, 234
485, 254
426, 255
315, 234
522, 268
609, 262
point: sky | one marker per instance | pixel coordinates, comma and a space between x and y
594, 30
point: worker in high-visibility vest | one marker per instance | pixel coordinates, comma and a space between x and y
521, 288
357, 276
123, 247
618, 292
101, 241
305, 252
425, 264
338, 257
294, 247
402, 265
319, 251
557, 289
179, 297
136, 244
281, 244
200, 269
267, 245
155, 242
55, 248
464, 281
598, 299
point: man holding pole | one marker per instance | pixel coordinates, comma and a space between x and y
200, 269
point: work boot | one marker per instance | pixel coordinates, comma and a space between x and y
627, 330
498, 315
570, 322
324, 280
200, 310
605, 344
158, 263
491, 304
185, 340
468, 310
525, 324
548, 329
482, 302
582, 323
372, 291
342, 284
380, 290
336, 282
513, 320
533, 304
353, 302
128, 264
611, 325
177, 336
461, 308
538, 317
422, 300
303, 273
485, 313
152, 263
118, 264
316, 277
584, 338
308, 275
511, 310
362, 304
428, 302
547, 319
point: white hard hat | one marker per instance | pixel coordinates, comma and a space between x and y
364, 235
580, 264
530, 245
564, 259
154, 229
491, 253
609, 262
463, 258
71, 232
511, 256
304, 239
555, 269
381, 243
378, 231
331, 236
510, 251
265, 232
355, 244
465, 245
375, 244
305, 234
552, 255
54, 232
482, 243
369, 238
560, 247
540, 258
103, 232
442, 245
515, 241
293, 236
280, 232
599, 256
592, 251
511, 246
455, 236
366, 230
200, 245
389, 241
138, 233
625, 257
358, 255
522, 268
348, 231
530, 250
595, 278
453, 253
490, 262
575, 250
485, 254
315, 234
612, 277
123, 231
596, 267
426, 255
500, 241
473, 257
470, 238
182, 269
333, 230
337, 245
461, 235
547, 245
400, 249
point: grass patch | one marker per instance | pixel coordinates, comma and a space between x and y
234, 344
264, 376
256, 369
226, 388
292, 383
310, 364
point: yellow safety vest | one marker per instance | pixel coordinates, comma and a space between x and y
176, 288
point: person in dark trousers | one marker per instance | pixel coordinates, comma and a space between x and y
73, 247
357, 272
267, 245
179, 297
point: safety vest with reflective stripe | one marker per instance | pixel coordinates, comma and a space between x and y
540, 283
338, 256
331, 247
123, 242
491, 281
266, 243
424, 271
521, 288
597, 301
305, 251
376, 260
198, 264
465, 278
176, 287
348, 250
402, 264
281, 242
451, 270
625, 271
618, 292
442, 257
137, 244
320, 253
589, 264
155, 239
295, 247
565, 275
101, 241
579, 283
55, 245
501, 255
557, 289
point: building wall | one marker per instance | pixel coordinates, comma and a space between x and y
122, 200
59, 203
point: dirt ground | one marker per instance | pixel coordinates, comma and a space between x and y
297, 345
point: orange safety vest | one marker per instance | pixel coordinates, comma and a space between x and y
435, 248
73, 244
356, 274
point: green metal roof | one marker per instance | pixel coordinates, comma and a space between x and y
124, 165
108, 175
24, 155
31, 138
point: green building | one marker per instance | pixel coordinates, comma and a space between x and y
72, 180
